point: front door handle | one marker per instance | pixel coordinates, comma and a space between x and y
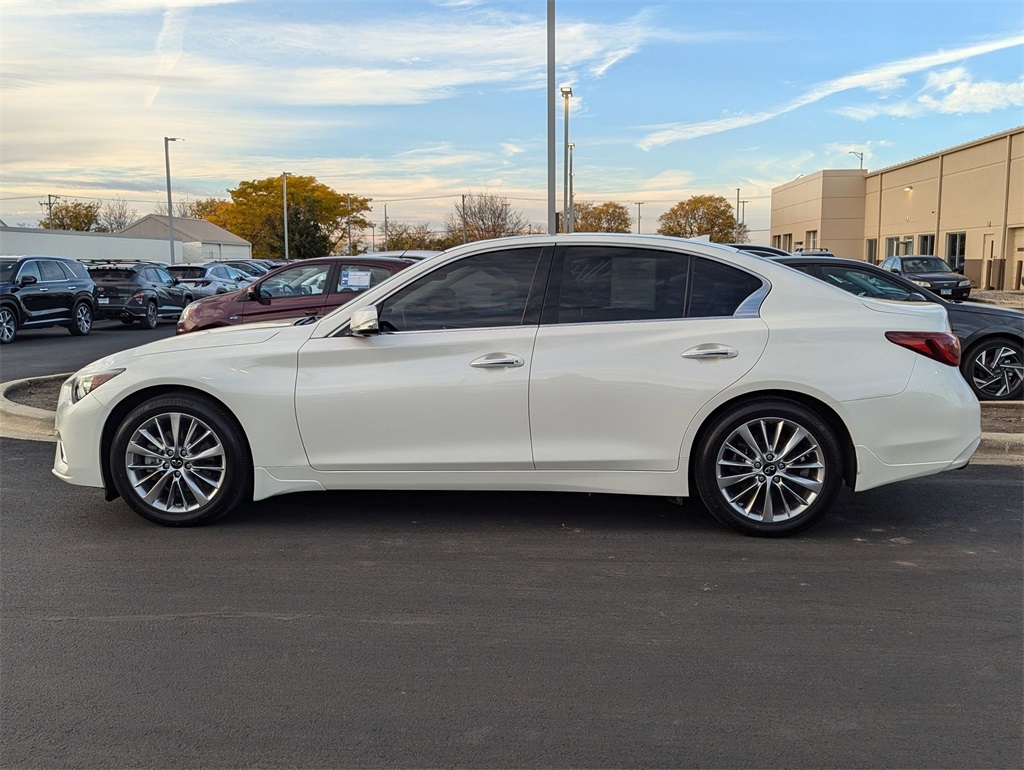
498, 361
711, 351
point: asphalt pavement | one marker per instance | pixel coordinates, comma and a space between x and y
510, 630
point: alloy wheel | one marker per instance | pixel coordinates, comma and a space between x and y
997, 371
83, 318
175, 462
770, 469
8, 325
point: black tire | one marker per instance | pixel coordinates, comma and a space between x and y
152, 316
180, 491
993, 369
8, 324
783, 468
81, 320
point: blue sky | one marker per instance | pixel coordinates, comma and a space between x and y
416, 103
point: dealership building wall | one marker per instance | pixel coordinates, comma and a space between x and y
964, 204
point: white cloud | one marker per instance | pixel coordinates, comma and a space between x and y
883, 75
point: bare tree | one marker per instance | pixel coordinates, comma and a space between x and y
115, 216
480, 216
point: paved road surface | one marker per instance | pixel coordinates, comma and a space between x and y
500, 630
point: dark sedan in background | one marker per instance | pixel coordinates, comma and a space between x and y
37, 291
930, 273
991, 337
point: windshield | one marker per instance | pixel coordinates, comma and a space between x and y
925, 265
7, 268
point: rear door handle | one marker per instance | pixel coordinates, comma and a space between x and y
711, 351
497, 361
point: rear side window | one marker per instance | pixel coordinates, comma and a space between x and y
718, 289
602, 283
360, 277
188, 272
76, 270
51, 271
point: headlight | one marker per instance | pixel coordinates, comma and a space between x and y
84, 385
965, 283
926, 284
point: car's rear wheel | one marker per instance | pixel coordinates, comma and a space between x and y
769, 468
81, 320
181, 460
151, 317
994, 369
8, 324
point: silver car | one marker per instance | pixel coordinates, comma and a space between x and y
210, 279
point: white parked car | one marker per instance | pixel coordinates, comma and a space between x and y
589, 362
211, 278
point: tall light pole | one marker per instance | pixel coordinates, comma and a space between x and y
572, 196
737, 213
170, 207
860, 156
385, 227
566, 93
284, 197
348, 199
638, 205
552, 218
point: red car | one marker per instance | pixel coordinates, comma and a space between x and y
309, 287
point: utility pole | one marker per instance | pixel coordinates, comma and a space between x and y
737, 233
50, 200
385, 227
284, 197
465, 235
348, 199
638, 205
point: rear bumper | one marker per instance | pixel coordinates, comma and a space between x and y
132, 311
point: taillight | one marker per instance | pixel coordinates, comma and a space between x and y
939, 346
139, 296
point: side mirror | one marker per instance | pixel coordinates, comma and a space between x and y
365, 322
916, 296
28, 280
175, 281
252, 292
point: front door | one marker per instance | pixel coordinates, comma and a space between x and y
444, 386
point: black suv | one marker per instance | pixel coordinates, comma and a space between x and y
38, 291
137, 291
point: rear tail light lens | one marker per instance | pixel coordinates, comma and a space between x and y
139, 296
938, 346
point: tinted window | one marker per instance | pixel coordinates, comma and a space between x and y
7, 267
162, 276
360, 277
865, 283
111, 274
219, 272
30, 268
486, 290
75, 270
602, 283
188, 272
296, 281
718, 290
51, 271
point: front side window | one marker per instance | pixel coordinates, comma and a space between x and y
485, 290
30, 269
296, 281
601, 283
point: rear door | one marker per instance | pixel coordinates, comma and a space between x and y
633, 342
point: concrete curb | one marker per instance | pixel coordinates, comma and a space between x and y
27, 422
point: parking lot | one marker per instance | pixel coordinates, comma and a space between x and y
395, 629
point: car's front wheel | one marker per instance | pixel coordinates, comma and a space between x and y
995, 370
769, 468
181, 460
8, 324
81, 320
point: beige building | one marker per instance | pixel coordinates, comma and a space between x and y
201, 241
964, 204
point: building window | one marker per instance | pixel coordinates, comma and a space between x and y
956, 250
891, 246
926, 245
811, 239
787, 242
777, 241
871, 251
798, 246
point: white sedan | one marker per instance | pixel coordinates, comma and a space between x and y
589, 363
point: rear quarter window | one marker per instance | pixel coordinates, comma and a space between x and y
718, 289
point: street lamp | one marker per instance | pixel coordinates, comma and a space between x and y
860, 155
284, 197
638, 205
566, 93
170, 208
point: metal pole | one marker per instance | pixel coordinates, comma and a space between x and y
348, 199
284, 196
465, 237
552, 219
566, 93
572, 202
385, 227
737, 228
170, 206
638, 205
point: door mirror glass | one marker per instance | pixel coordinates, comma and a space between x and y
365, 322
28, 280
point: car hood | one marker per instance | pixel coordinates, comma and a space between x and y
1005, 314
936, 276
